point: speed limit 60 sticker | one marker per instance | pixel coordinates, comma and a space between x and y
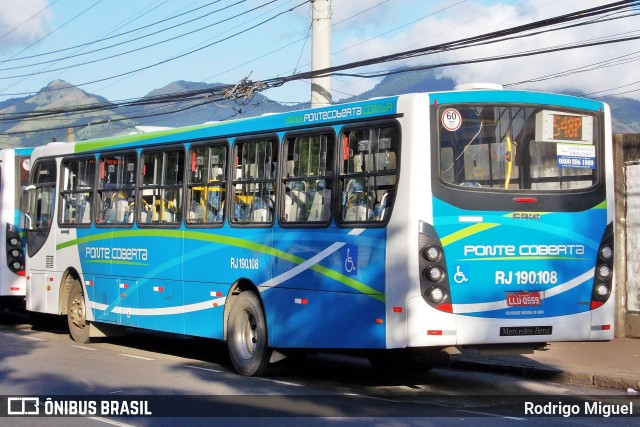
451, 119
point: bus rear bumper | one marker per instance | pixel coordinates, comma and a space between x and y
429, 327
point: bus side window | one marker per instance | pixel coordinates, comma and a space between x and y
161, 191
254, 181
369, 173
117, 189
308, 179
206, 186
76, 191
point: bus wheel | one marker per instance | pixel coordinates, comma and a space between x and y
247, 336
79, 328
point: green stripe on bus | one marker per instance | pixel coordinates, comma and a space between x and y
100, 144
602, 205
230, 241
466, 232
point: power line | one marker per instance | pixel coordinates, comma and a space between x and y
126, 32
305, 39
619, 60
57, 28
189, 52
485, 59
492, 37
53, 31
155, 23
489, 11
171, 39
219, 93
402, 55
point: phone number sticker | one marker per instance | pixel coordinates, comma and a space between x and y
576, 156
576, 162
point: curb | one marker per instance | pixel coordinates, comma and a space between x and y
544, 373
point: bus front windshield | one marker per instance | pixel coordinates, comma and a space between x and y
518, 147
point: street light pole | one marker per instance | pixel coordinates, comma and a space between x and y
320, 51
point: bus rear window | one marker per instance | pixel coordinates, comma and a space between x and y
516, 148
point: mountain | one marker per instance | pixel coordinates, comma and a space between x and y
625, 111
56, 95
117, 120
196, 112
407, 82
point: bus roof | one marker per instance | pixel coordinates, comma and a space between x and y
327, 116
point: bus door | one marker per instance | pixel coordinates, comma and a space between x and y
41, 238
156, 259
106, 257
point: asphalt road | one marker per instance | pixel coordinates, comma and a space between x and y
189, 381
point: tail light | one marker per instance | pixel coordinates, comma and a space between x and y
434, 283
15, 253
603, 278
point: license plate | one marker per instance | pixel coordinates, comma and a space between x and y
522, 299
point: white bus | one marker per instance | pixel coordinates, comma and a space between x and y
14, 177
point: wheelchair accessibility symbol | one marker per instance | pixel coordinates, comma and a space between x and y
350, 255
459, 277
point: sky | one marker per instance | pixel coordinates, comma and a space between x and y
124, 49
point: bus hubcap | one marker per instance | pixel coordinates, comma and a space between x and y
249, 337
77, 313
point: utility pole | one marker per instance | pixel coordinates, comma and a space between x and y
320, 51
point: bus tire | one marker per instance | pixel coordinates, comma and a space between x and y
247, 336
79, 328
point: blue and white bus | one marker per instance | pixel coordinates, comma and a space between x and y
395, 227
14, 178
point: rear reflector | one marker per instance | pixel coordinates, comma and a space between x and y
445, 307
